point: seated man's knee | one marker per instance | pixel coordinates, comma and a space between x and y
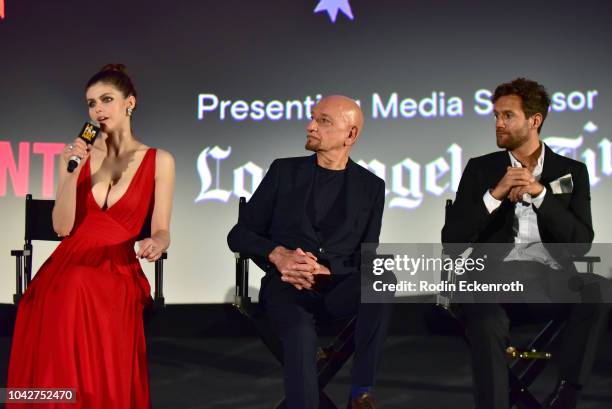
291, 321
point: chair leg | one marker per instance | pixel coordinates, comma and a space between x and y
264, 330
520, 394
274, 345
324, 402
333, 358
27, 264
158, 296
524, 371
336, 354
533, 370
543, 341
19, 279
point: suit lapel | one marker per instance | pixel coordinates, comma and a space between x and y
497, 170
304, 178
551, 168
550, 171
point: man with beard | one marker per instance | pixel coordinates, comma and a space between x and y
530, 196
304, 227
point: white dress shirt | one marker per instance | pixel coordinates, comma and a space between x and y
528, 243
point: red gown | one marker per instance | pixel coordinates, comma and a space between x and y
79, 324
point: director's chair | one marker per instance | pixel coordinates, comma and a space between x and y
330, 358
528, 361
39, 226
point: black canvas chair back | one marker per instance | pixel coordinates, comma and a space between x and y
38, 220
531, 359
39, 226
330, 358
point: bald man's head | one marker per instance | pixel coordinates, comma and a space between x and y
349, 108
336, 124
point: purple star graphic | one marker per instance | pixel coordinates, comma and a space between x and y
332, 7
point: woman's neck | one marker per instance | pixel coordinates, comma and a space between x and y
119, 142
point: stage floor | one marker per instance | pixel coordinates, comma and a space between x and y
421, 372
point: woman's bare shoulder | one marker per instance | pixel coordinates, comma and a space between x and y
164, 161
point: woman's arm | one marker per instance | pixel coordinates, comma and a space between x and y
152, 248
65, 200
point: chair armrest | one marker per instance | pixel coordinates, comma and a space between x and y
589, 260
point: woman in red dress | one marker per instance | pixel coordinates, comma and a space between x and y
79, 324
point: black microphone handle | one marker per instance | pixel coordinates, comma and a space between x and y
73, 163
88, 134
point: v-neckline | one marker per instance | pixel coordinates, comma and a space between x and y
144, 158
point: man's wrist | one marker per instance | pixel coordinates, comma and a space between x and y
274, 254
538, 189
490, 202
496, 194
537, 200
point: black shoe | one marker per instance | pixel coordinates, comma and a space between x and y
363, 401
565, 396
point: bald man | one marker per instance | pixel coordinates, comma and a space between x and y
304, 227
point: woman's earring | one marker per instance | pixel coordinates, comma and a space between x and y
129, 111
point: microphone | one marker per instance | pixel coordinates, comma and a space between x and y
88, 133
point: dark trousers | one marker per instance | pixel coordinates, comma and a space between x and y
293, 314
487, 329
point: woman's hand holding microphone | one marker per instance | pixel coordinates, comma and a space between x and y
77, 148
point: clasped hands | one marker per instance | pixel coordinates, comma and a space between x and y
515, 183
297, 267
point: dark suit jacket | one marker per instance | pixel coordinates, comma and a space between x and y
276, 215
562, 218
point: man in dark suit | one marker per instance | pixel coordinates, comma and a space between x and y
304, 227
529, 197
